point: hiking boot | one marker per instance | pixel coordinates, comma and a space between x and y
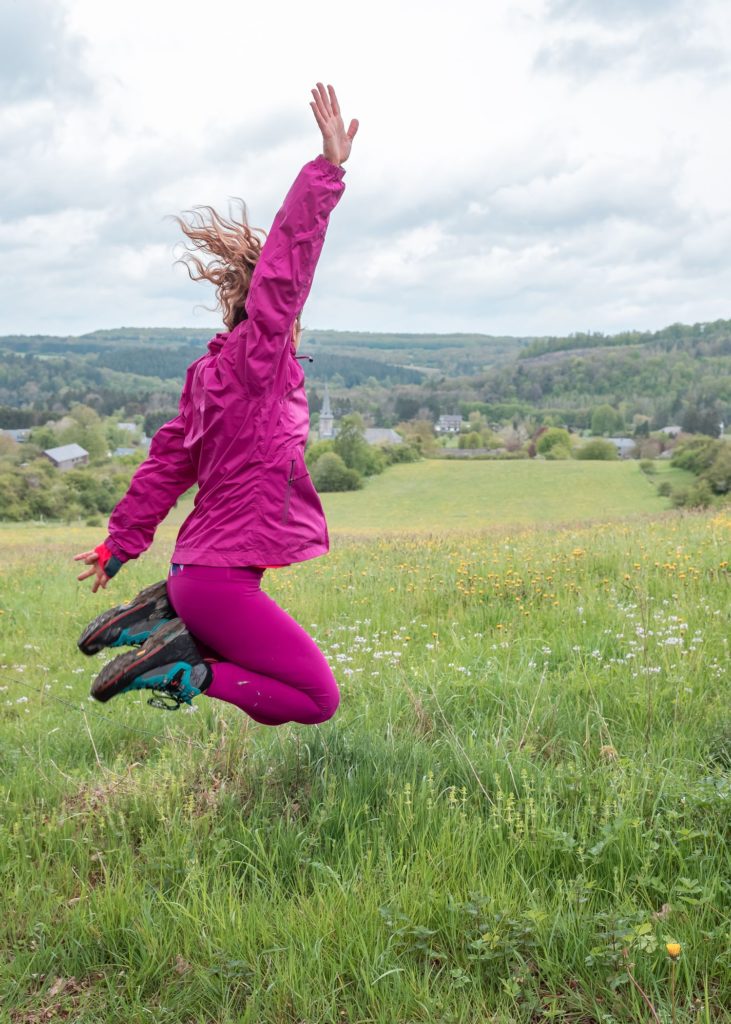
129, 624
168, 663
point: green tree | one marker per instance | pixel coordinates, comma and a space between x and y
154, 420
606, 420
554, 437
718, 473
598, 450
696, 455
330, 473
44, 437
87, 430
315, 450
350, 444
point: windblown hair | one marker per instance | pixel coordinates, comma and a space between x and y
234, 248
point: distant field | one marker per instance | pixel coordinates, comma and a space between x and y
439, 494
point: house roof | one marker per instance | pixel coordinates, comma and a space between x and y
65, 452
382, 435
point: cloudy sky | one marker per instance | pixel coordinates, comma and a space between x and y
523, 166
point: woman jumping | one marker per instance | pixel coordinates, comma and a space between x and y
240, 435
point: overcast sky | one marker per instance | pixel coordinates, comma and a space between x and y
522, 167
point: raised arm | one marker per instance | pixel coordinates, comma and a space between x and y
284, 272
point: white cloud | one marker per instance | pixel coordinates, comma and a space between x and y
528, 167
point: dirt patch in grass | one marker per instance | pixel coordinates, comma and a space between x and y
61, 1001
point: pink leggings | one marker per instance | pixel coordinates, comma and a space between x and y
266, 664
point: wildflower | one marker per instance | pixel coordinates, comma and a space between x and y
674, 949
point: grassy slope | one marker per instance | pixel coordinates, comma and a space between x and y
469, 495
434, 495
531, 758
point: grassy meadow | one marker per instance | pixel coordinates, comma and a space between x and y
457, 495
525, 794
442, 495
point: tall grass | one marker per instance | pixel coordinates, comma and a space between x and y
525, 794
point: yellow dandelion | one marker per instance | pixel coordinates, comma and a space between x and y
674, 949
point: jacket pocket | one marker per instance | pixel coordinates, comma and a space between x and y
288, 492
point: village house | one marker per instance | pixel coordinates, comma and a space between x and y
448, 425
20, 436
67, 456
382, 435
327, 431
625, 446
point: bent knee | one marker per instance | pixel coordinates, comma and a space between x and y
328, 704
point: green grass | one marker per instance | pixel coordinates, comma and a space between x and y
439, 493
530, 773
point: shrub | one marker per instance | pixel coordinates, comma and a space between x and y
665, 489
471, 440
552, 438
699, 496
718, 473
396, 453
559, 451
696, 455
330, 473
648, 467
597, 450
315, 450
680, 497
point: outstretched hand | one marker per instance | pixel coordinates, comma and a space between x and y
91, 558
336, 142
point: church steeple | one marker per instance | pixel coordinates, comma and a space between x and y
326, 429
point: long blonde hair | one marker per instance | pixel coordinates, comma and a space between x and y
234, 248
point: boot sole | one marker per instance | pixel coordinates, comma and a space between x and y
114, 677
122, 615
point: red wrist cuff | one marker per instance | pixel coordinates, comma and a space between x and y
108, 561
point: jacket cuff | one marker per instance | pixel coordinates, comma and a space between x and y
110, 563
336, 170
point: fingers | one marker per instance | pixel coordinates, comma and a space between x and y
326, 109
88, 556
322, 101
100, 582
86, 575
318, 117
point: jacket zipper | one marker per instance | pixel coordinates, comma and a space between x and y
290, 481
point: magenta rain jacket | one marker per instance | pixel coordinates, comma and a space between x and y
243, 419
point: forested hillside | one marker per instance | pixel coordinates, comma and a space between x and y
681, 374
